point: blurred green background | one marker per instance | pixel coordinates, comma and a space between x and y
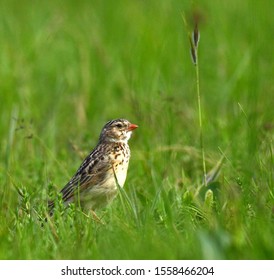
67, 67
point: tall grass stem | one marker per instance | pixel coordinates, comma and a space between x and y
200, 112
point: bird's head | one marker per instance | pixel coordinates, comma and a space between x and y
118, 130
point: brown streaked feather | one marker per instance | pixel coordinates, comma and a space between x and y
88, 173
94, 169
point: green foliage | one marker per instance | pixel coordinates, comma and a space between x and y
67, 67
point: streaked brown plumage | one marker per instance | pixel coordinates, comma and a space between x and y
95, 183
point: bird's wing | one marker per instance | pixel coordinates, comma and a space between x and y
93, 170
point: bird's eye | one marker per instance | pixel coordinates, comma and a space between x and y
119, 125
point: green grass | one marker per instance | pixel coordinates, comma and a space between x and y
66, 68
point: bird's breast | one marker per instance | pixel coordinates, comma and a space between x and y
120, 159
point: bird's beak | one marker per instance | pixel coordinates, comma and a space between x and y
132, 127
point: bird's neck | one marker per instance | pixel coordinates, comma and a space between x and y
120, 141
125, 141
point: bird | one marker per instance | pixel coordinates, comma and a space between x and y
103, 171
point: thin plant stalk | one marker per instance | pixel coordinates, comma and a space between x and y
194, 42
200, 114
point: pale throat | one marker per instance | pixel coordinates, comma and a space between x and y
123, 140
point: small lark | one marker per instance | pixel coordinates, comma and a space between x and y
96, 182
